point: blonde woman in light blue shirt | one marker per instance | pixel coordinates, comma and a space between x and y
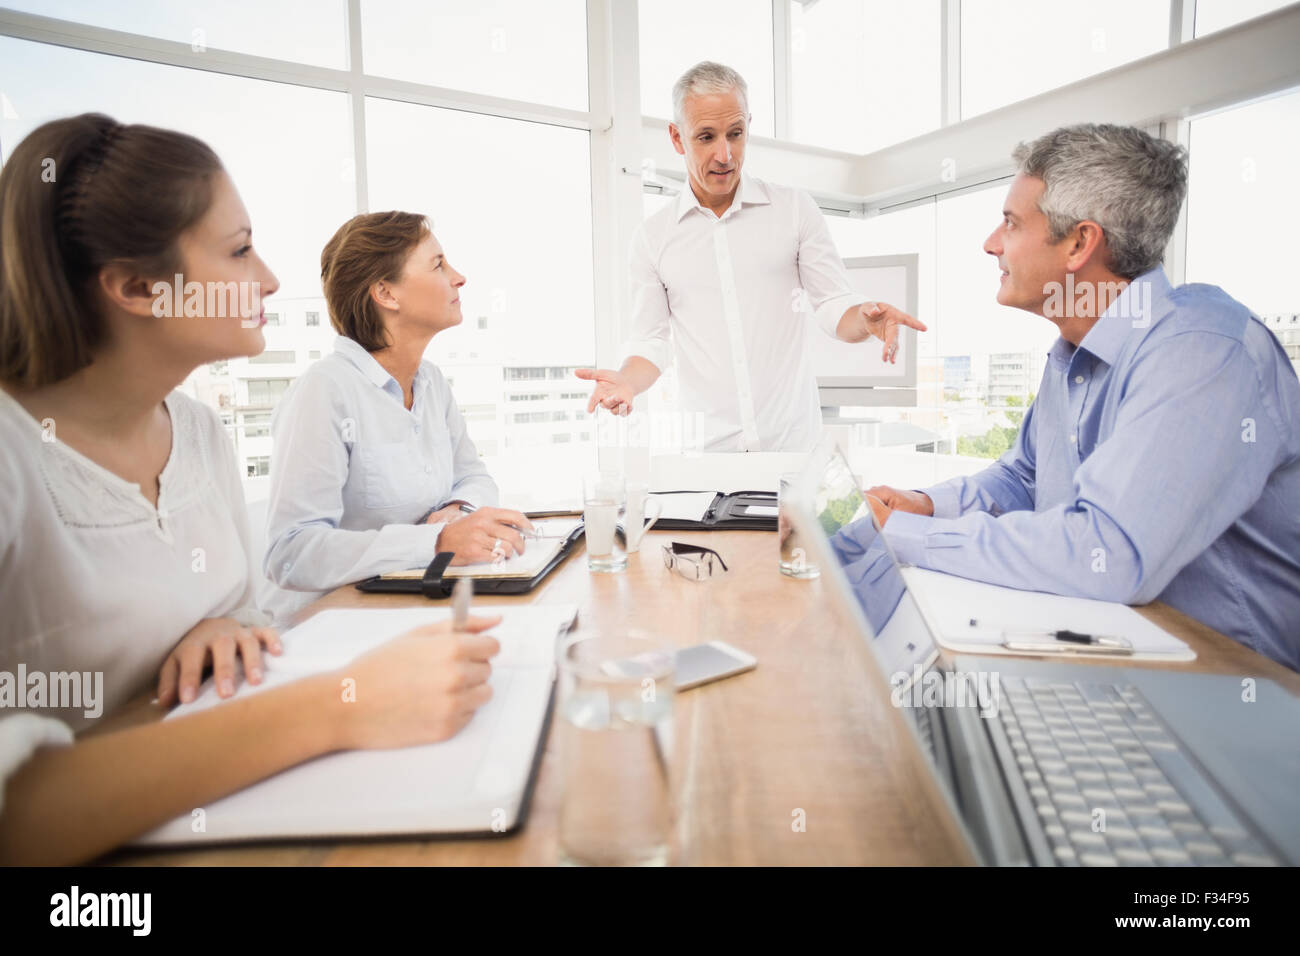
371, 460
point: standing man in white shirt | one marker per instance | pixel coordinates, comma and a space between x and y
715, 282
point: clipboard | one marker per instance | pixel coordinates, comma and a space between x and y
728, 513
435, 583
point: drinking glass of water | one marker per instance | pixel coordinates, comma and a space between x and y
603, 498
794, 561
616, 730
643, 510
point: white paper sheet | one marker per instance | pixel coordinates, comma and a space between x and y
537, 552
685, 506
950, 604
466, 783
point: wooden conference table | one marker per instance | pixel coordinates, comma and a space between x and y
808, 730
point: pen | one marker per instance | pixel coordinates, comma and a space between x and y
460, 595
1076, 637
536, 536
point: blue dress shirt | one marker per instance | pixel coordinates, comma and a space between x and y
1160, 459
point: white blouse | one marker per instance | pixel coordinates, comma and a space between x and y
95, 579
353, 469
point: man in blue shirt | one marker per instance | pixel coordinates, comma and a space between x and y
1161, 458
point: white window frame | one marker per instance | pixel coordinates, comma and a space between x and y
612, 92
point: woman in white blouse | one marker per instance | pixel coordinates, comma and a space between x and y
124, 545
372, 461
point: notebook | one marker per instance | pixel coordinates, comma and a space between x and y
950, 605
478, 782
537, 554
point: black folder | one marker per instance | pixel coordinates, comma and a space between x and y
436, 584
727, 513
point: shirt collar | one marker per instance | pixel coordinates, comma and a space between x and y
1132, 310
374, 373
751, 192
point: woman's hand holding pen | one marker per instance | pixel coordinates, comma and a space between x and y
419, 688
485, 534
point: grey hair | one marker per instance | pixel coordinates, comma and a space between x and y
1128, 182
703, 79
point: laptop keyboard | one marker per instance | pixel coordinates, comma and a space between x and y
1111, 786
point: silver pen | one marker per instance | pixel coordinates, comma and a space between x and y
460, 595
533, 535
1066, 641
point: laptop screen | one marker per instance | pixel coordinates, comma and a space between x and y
842, 519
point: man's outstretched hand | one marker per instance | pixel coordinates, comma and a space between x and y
883, 321
610, 391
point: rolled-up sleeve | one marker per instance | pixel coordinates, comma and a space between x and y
1172, 476
650, 328
307, 549
821, 270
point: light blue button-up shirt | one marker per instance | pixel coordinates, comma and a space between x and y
352, 469
1161, 459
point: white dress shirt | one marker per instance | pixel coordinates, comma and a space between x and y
94, 578
352, 469
721, 295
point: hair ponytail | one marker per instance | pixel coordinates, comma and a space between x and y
75, 195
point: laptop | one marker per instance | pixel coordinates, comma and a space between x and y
1057, 763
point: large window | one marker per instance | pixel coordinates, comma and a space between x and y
677, 34
1014, 49
509, 190
1215, 15
1243, 201
863, 73
305, 31
518, 49
510, 200
289, 157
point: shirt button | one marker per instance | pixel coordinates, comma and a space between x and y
286, 566
1078, 380
1074, 439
